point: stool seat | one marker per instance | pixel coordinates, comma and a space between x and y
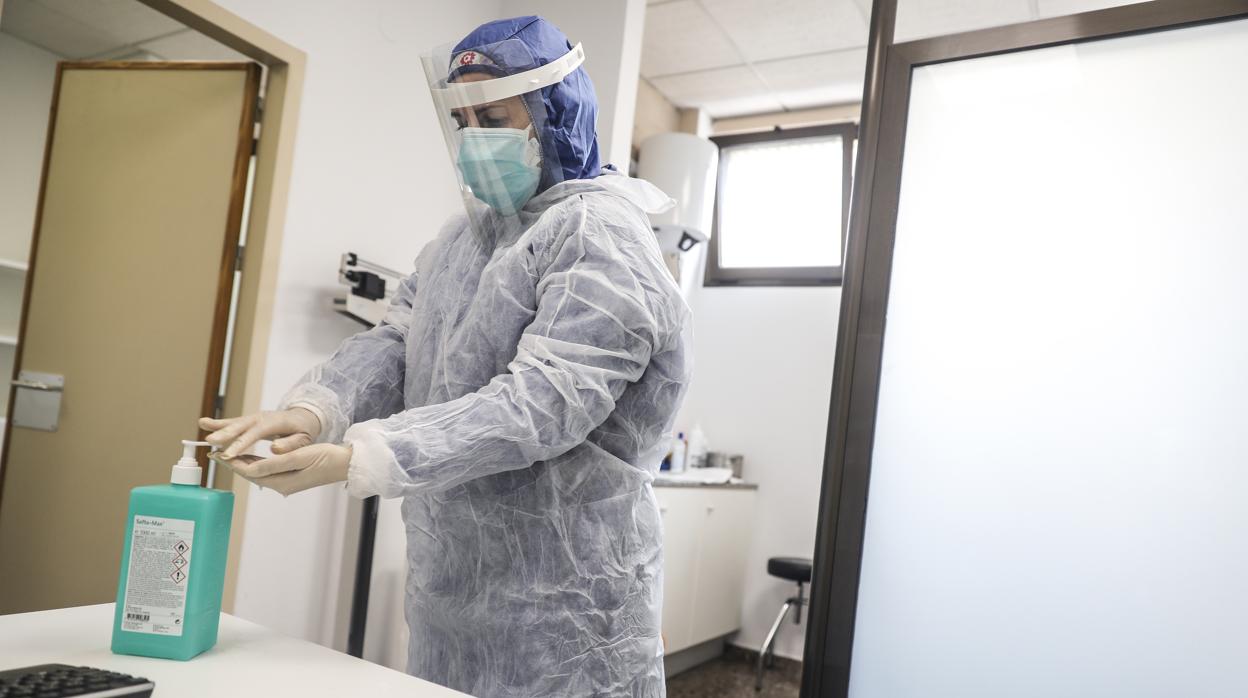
795, 569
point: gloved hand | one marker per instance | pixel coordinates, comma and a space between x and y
302, 469
290, 429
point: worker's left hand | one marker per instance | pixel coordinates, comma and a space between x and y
296, 471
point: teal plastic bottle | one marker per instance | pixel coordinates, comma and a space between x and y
173, 565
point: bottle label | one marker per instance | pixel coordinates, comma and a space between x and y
160, 569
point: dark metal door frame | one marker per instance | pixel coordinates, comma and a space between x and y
868, 265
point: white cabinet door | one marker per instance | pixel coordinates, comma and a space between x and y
726, 519
683, 515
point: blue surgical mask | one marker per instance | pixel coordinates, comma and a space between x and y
502, 166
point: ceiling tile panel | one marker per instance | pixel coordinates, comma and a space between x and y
741, 106
917, 19
807, 71
46, 28
692, 89
680, 37
824, 96
830, 78
125, 21
782, 28
721, 92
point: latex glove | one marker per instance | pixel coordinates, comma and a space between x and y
289, 429
296, 471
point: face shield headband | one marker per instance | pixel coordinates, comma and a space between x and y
449, 96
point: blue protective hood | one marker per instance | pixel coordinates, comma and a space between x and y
569, 136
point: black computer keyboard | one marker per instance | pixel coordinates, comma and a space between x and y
56, 680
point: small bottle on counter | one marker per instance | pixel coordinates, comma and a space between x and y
678, 453
696, 455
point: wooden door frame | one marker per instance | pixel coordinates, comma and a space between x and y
275, 149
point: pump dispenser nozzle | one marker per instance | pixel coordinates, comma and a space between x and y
187, 471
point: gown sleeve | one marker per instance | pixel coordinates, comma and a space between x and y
364, 377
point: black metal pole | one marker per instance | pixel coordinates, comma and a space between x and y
363, 578
825, 656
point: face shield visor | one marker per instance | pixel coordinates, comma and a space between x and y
491, 111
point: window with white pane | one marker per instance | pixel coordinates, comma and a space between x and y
781, 207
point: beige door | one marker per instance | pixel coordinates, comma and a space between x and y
127, 298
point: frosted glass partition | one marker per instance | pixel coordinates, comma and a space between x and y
1059, 486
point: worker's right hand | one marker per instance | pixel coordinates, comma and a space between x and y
289, 429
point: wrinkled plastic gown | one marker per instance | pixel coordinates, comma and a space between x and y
540, 378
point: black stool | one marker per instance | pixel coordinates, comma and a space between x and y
795, 569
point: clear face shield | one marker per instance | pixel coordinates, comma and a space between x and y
489, 104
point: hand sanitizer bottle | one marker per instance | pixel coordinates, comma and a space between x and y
173, 565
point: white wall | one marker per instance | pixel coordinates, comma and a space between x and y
372, 175
761, 387
27, 74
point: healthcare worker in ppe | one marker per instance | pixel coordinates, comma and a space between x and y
518, 394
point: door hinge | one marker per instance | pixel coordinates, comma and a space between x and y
257, 114
238, 257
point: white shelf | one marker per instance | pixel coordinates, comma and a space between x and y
13, 264
8, 340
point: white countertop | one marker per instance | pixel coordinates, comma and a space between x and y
248, 659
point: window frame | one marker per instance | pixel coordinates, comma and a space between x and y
717, 275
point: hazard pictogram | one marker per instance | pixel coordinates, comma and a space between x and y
179, 561
178, 575
181, 547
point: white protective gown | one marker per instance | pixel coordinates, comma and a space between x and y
519, 395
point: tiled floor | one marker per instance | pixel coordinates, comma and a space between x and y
732, 676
